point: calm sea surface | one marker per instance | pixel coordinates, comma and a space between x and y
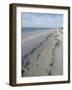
34, 29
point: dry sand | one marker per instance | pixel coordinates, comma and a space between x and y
44, 58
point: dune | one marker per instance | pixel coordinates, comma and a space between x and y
42, 53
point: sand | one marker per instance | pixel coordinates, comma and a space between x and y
43, 54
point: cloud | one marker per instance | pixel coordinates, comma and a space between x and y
41, 20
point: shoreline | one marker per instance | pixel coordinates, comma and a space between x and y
43, 60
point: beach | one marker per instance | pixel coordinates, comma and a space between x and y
42, 53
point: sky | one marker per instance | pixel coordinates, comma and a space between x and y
41, 20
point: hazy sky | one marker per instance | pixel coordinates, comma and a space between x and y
41, 20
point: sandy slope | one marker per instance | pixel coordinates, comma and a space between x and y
42, 55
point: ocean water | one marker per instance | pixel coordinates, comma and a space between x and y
34, 29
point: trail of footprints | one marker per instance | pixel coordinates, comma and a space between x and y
53, 54
26, 59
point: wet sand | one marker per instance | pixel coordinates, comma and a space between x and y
43, 55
